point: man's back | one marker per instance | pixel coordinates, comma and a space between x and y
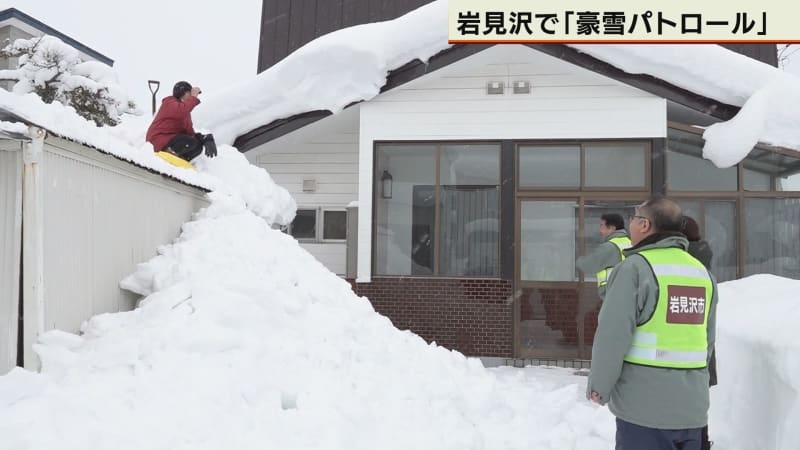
173, 118
653, 397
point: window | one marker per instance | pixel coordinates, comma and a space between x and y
620, 165
548, 236
452, 213
767, 170
550, 166
688, 171
304, 225
334, 225
606, 165
772, 236
718, 226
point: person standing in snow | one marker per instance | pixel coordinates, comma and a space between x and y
655, 333
172, 130
603, 259
702, 252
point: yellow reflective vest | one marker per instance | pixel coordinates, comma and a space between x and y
622, 243
675, 336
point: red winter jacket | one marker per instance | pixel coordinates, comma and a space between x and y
174, 117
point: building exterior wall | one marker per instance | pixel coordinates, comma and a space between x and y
565, 102
473, 316
10, 241
326, 153
102, 217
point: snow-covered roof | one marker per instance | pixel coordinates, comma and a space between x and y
62, 121
228, 173
352, 65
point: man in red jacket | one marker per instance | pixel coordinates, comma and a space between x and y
172, 130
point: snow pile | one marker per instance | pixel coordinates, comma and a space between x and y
328, 73
768, 96
229, 172
246, 341
756, 406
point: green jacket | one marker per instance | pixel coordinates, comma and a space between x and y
646, 396
605, 255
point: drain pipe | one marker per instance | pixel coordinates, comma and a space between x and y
32, 245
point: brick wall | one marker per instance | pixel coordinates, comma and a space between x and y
474, 317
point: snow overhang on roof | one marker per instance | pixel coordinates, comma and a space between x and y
358, 63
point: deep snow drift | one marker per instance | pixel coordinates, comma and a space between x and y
248, 342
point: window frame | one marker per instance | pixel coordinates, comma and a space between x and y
319, 223
321, 228
435, 272
647, 145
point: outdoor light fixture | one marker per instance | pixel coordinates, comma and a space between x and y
386, 184
495, 88
153, 85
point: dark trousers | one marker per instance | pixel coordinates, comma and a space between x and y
189, 146
635, 437
705, 444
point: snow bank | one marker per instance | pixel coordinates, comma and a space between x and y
248, 342
756, 406
328, 73
229, 172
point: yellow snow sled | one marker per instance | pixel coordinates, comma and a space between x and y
176, 161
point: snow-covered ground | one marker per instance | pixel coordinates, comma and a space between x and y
246, 341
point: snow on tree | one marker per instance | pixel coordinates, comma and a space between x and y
56, 71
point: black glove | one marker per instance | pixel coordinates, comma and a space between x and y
210, 146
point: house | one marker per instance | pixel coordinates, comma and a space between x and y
480, 176
15, 24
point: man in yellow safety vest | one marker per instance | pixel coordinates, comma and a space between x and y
655, 333
602, 260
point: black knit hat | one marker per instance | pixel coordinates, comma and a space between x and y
181, 87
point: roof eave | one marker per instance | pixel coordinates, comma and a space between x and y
417, 68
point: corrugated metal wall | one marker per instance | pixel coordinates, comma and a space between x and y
101, 218
10, 235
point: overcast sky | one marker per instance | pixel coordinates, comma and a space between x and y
209, 44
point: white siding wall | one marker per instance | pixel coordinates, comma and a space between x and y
566, 102
325, 151
101, 218
10, 234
